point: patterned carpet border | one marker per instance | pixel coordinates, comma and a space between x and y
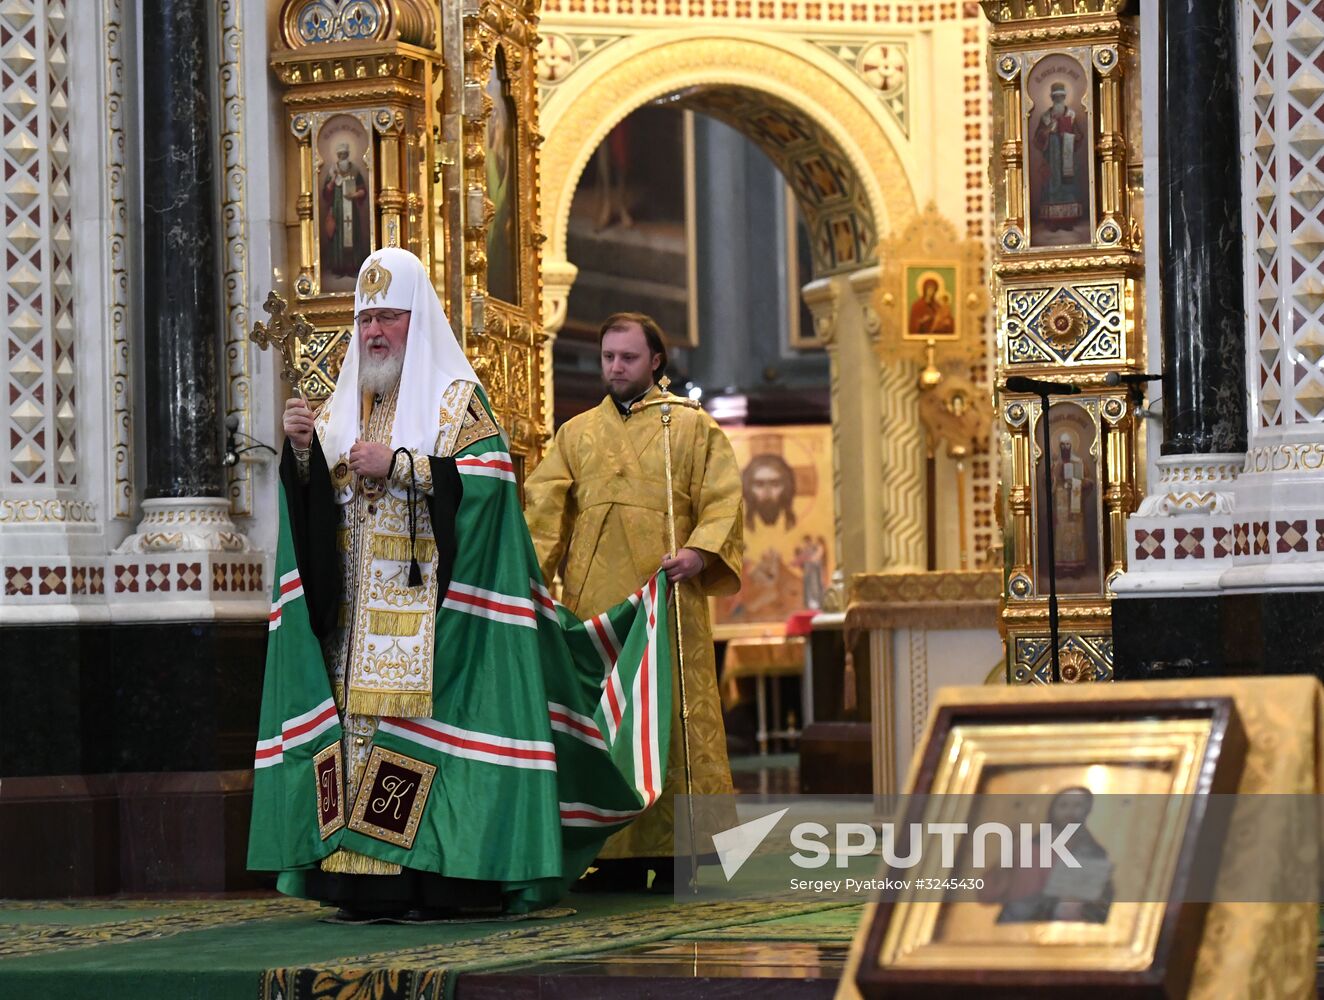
839, 926
24, 940
430, 972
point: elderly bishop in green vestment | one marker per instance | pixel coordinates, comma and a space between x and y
437, 733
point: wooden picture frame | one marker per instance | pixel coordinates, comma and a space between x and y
903, 955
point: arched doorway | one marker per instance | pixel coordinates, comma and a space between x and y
824, 130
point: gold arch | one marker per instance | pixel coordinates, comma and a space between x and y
656, 64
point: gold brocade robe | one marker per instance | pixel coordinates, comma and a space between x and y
598, 500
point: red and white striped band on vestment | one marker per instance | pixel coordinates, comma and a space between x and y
290, 588
582, 727
543, 601
584, 814
604, 640
647, 767
495, 464
536, 755
491, 605
295, 732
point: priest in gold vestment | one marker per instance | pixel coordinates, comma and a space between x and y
598, 502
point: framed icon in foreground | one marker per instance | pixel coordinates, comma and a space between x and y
1124, 788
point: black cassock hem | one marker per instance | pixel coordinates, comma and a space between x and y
410, 890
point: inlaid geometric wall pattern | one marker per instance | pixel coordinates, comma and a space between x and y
1081, 659
1285, 57
39, 446
883, 64
977, 116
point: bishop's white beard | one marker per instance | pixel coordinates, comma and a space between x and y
379, 377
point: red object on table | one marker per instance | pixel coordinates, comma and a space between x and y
800, 623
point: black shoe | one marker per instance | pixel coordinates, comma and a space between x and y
429, 915
349, 915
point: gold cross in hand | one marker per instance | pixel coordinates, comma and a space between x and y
284, 333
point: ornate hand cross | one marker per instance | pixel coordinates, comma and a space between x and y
284, 333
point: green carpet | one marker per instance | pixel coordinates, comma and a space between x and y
276, 947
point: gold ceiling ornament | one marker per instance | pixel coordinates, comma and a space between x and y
653, 64
931, 297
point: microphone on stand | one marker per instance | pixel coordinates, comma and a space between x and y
1041, 387
231, 448
1130, 378
1135, 383
232, 435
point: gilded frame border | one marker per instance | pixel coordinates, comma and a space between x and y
328, 826
358, 821
1171, 933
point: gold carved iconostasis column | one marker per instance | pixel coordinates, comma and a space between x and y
502, 238
1067, 290
414, 124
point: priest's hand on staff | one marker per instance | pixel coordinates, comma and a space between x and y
298, 423
369, 459
683, 565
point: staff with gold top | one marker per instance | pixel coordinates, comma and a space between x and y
627, 487
665, 402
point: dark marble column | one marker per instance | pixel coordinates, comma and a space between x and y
1204, 379
181, 335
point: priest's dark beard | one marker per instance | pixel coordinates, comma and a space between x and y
379, 377
631, 394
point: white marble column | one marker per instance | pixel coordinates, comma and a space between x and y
877, 439
1255, 521
71, 471
557, 278
1278, 532
49, 509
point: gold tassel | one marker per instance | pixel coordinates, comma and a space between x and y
848, 699
400, 623
342, 539
400, 704
396, 548
347, 862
